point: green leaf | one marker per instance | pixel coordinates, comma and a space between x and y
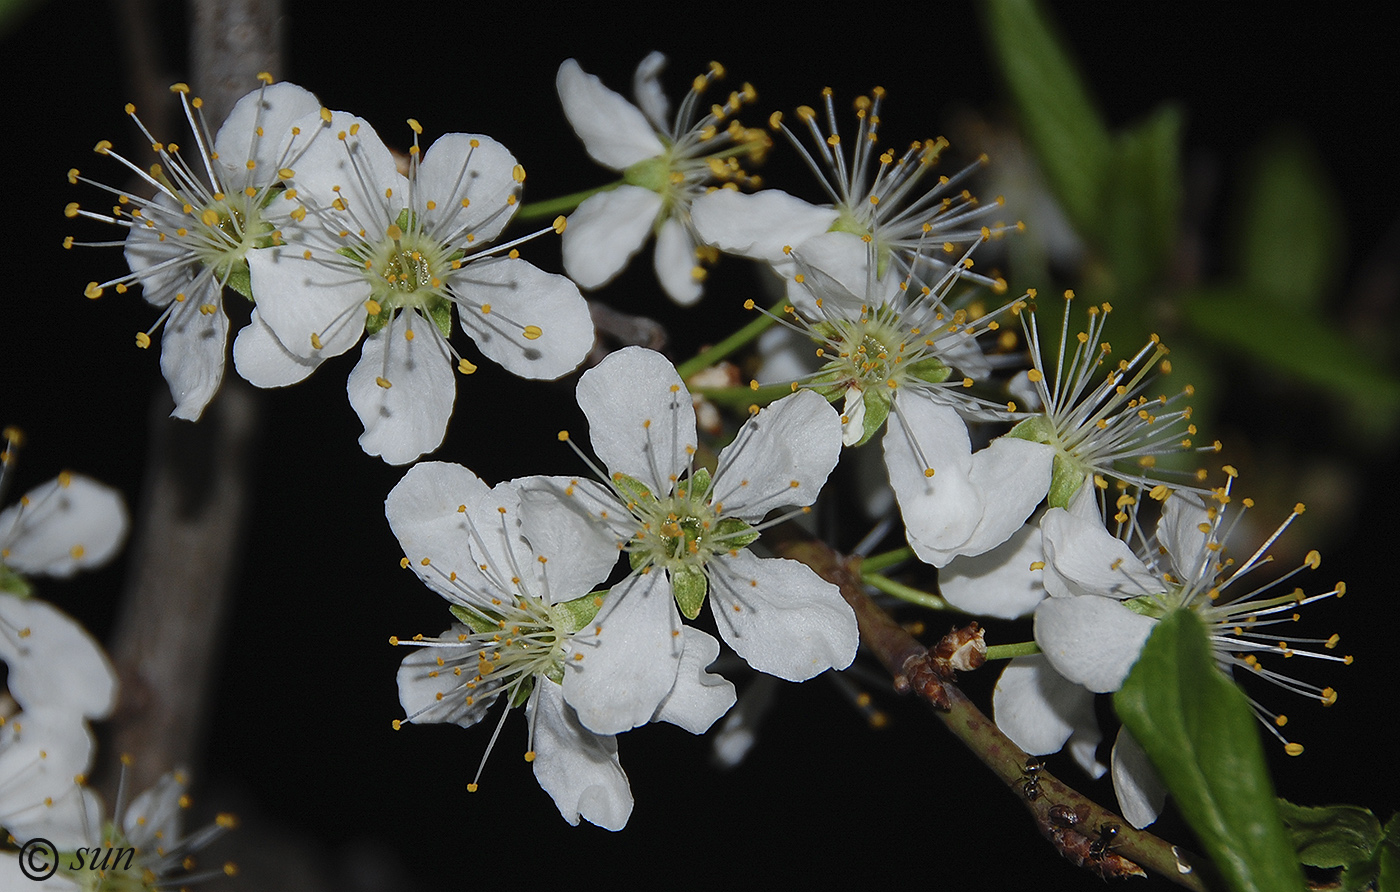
1061, 124
689, 584
1142, 200
1295, 342
1389, 857
1289, 233
1199, 732
1330, 836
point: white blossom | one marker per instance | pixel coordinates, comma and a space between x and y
194, 236
666, 163
685, 533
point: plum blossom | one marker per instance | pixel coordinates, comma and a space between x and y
666, 163
370, 251
877, 196
685, 533
194, 236
1106, 593
520, 609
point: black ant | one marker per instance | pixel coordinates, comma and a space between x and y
1101, 846
1030, 781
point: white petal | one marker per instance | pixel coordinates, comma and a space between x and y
577, 768
676, 264
699, 697
780, 616
273, 110
629, 658
845, 258
943, 509
1090, 640
147, 248
538, 326
409, 417
359, 164
54, 664
298, 298
559, 518
482, 175
425, 512
40, 754
605, 231
738, 734
781, 457
262, 360
1089, 560
1011, 476
1141, 793
430, 691
1179, 532
1038, 708
614, 131
641, 421
646, 88
154, 815
999, 582
68, 524
192, 352
759, 225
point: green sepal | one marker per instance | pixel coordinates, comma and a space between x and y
477, 621
1201, 735
373, 324
699, 483
689, 585
631, 489
831, 383
1066, 477
1146, 605
649, 173
570, 616
14, 584
732, 533
240, 279
930, 369
404, 221
877, 409
1037, 429
440, 311
523, 690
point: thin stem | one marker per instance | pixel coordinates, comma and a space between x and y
903, 656
1007, 651
706, 358
744, 396
906, 593
886, 559
553, 207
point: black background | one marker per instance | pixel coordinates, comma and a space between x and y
300, 739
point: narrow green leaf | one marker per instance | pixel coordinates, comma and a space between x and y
1289, 232
1330, 836
1293, 341
1199, 732
1142, 200
1061, 123
1389, 857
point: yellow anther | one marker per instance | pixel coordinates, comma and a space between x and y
518, 172
383, 382
315, 341
71, 210
559, 223
1293, 749
1313, 560
93, 291
465, 367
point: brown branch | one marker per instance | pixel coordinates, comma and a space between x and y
1075, 825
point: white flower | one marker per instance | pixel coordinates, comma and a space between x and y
41, 753
685, 533
665, 163
876, 196
1106, 593
954, 501
368, 250
520, 608
1109, 430
195, 234
142, 848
